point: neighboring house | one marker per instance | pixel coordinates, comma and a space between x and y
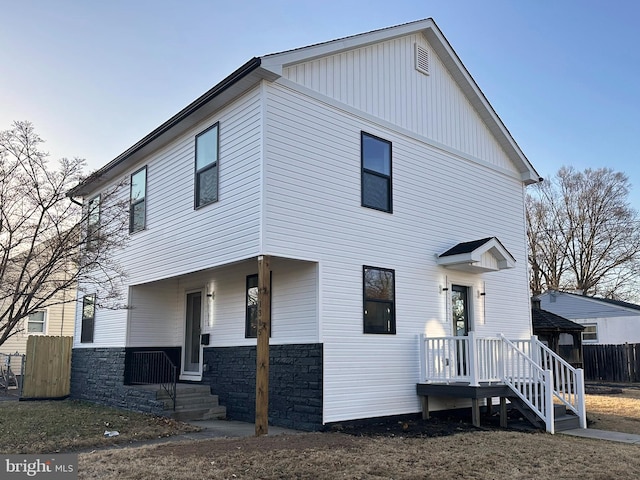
55, 320
560, 334
367, 168
605, 322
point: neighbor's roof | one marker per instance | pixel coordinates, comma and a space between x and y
270, 67
546, 321
617, 303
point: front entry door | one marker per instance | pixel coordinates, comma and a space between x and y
460, 313
192, 348
460, 310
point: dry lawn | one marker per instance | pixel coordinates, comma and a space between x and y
619, 412
476, 455
480, 455
62, 426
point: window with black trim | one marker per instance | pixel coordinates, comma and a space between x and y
36, 322
88, 318
251, 319
137, 201
93, 222
206, 181
379, 300
376, 172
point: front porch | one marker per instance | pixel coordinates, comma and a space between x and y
543, 386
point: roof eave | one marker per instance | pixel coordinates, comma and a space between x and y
230, 87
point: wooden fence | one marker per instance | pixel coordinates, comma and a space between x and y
47, 367
612, 363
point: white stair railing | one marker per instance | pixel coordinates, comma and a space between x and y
568, 382
531, 383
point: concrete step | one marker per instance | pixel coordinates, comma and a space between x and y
218, 412
192, 402
184, 389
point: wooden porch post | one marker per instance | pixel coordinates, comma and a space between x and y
262, 350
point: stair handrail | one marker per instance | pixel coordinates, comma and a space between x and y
155, 367
529, 381
568, 385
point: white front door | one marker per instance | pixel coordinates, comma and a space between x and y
192, 351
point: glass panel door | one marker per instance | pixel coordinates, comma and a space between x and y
192, 333
460, 313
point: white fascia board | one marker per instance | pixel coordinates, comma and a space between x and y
275, 62
471, 90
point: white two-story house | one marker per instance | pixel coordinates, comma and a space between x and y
384, 188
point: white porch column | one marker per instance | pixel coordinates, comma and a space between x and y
473, 360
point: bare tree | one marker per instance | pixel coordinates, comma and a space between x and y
583, 234
44, 233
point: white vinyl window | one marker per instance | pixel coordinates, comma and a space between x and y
36, 322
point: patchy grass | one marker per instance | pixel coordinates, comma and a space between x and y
478, 455
59, 426
616, 409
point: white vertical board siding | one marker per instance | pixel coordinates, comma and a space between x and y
154, 317
313, 210
179, 239
381, 80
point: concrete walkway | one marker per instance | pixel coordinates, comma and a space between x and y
603, 435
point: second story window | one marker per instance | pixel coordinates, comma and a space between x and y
138, 204
376, 173
206, 181
93, 222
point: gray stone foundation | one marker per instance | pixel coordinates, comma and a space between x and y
295, 383
97, 375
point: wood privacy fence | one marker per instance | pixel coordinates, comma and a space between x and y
47, 372
612, 363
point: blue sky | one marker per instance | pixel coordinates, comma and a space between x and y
96, 76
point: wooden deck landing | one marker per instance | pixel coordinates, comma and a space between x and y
464, 390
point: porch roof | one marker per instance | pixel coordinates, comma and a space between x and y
477, 256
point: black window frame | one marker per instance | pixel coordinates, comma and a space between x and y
198, 172
87, 328
138, 201
248, 331
367, 328
93, 221
365, 171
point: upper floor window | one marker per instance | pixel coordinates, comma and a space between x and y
88, 318
36, 322
590, 333
379, 300
206, 180
137, 203
251, 319
376, 173
93, 221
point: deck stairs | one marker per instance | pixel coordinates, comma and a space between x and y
540, 384
193, 402
563, 419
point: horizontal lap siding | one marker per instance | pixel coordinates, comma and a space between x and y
179, 239
313, 211
154, 317
381, 80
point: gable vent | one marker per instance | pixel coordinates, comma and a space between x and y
422, 59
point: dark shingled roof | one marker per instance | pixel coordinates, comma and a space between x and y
465, 247
543, 320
